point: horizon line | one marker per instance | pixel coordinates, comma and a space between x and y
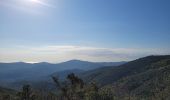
79, 60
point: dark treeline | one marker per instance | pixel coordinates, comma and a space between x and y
76, 89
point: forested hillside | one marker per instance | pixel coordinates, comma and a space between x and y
146, 78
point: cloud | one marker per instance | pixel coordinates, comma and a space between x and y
35, 7
67, 52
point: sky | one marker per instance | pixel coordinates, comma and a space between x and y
92, 30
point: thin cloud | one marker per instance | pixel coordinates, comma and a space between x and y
62, 53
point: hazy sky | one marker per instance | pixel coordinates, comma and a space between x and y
94, 30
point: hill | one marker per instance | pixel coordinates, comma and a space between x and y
108, 75
16, 74
145, 77
5, 93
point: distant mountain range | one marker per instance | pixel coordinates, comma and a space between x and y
143, 77
20, 71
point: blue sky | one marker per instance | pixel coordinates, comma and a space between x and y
98, 30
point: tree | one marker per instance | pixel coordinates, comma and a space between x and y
73, 89
26, 93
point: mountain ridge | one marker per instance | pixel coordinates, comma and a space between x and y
11, 72
114, 73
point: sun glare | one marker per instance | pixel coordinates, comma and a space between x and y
35, 1
40, 2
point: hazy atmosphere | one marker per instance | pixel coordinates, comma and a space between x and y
92, 30
84, 49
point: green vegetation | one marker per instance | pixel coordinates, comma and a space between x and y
143, 79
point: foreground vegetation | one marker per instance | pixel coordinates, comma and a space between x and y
143, 79
76, 89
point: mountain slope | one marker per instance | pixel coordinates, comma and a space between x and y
109, 75
4, 92
86, 65
145, 78
20, 72
155, 80
63, 74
